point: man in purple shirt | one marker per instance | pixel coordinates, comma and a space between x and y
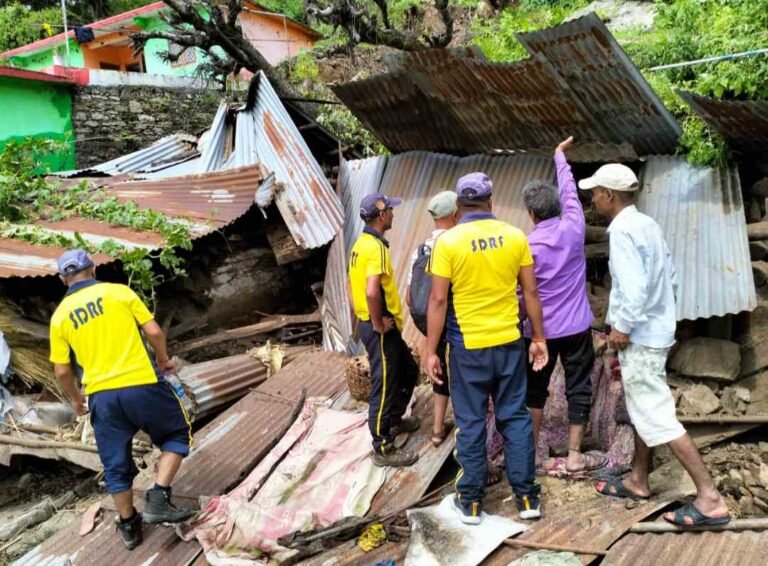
557, 245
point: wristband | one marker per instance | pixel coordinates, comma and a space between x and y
539, 340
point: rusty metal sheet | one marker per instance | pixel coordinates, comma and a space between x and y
701, 213
405, 486
225, 451
266, 134
336, 308
743, 123
441, 101
690, 549
623, 105
209, 201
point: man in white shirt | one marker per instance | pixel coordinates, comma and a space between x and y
641, 312
442, 207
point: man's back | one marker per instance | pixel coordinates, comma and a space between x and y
642, 300
99, 323
481, 257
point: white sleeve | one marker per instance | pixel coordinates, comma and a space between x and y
629, 293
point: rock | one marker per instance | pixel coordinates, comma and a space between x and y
762, 449
734, 399
134, 106
484, 9
763, 477
760, 504
760, 492
708, 357
749, 479
760, 272
753, 212
747, 505
759, 189
25, 481
735, 481
758, 250
698, 400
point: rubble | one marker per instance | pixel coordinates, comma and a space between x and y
735, 400
707, 357
698, 399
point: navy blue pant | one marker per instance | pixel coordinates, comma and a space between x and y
394, 374
498, 372
118, 414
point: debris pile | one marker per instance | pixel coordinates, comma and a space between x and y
741, 473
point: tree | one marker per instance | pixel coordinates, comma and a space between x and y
370, 22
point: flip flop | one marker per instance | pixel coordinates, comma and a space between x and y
599, 461
618, 490
699, 519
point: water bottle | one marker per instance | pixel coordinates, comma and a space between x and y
175, 383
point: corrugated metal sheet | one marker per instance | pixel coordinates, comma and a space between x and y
225, 451
743, 123
577, 82
215, 142
356, 179
165, 150
596, 68
417, 176
210, 201
701, 213
267, 135
690, 549
448, 103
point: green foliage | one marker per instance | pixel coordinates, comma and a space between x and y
26, 197
292, 8
496, 37
19, 25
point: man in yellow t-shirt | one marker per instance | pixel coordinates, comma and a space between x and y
98, 328
377, 305
482, 260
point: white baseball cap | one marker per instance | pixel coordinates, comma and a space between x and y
442, 204
614, 176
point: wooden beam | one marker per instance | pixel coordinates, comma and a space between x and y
732, 525
559, 548
263, 327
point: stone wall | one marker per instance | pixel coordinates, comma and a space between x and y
110, 121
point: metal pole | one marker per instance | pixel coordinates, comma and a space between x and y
66, 31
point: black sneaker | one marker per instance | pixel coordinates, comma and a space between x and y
396, 458
470, 512
410, 424
529, 506
130, 531
159, 509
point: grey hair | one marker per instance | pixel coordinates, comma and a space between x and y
542, 199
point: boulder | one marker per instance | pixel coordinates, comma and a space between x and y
758, 250
698, 400
708, 357
763, 477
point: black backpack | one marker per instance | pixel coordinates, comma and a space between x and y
421, 286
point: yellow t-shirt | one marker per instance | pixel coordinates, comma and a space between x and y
99, 323
481, 257
369, 257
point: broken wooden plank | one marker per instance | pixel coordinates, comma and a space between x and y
513, 542
725, 419
757, 231
263, 327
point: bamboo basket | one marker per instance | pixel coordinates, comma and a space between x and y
359, 378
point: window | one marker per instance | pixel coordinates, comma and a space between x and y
188, 54
108, 66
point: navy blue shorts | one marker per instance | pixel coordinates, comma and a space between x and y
118, 414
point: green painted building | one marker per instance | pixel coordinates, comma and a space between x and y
37, 105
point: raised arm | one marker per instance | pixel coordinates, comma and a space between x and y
569, 199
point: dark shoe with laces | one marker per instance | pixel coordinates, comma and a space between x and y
410, 424
130, 531
159, 509
395, 458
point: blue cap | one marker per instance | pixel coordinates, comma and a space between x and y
474, 186
376, 203
73, 261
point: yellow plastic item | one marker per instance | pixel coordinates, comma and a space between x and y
372, 537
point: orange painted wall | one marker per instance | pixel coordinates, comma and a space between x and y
121, 56
268, 35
